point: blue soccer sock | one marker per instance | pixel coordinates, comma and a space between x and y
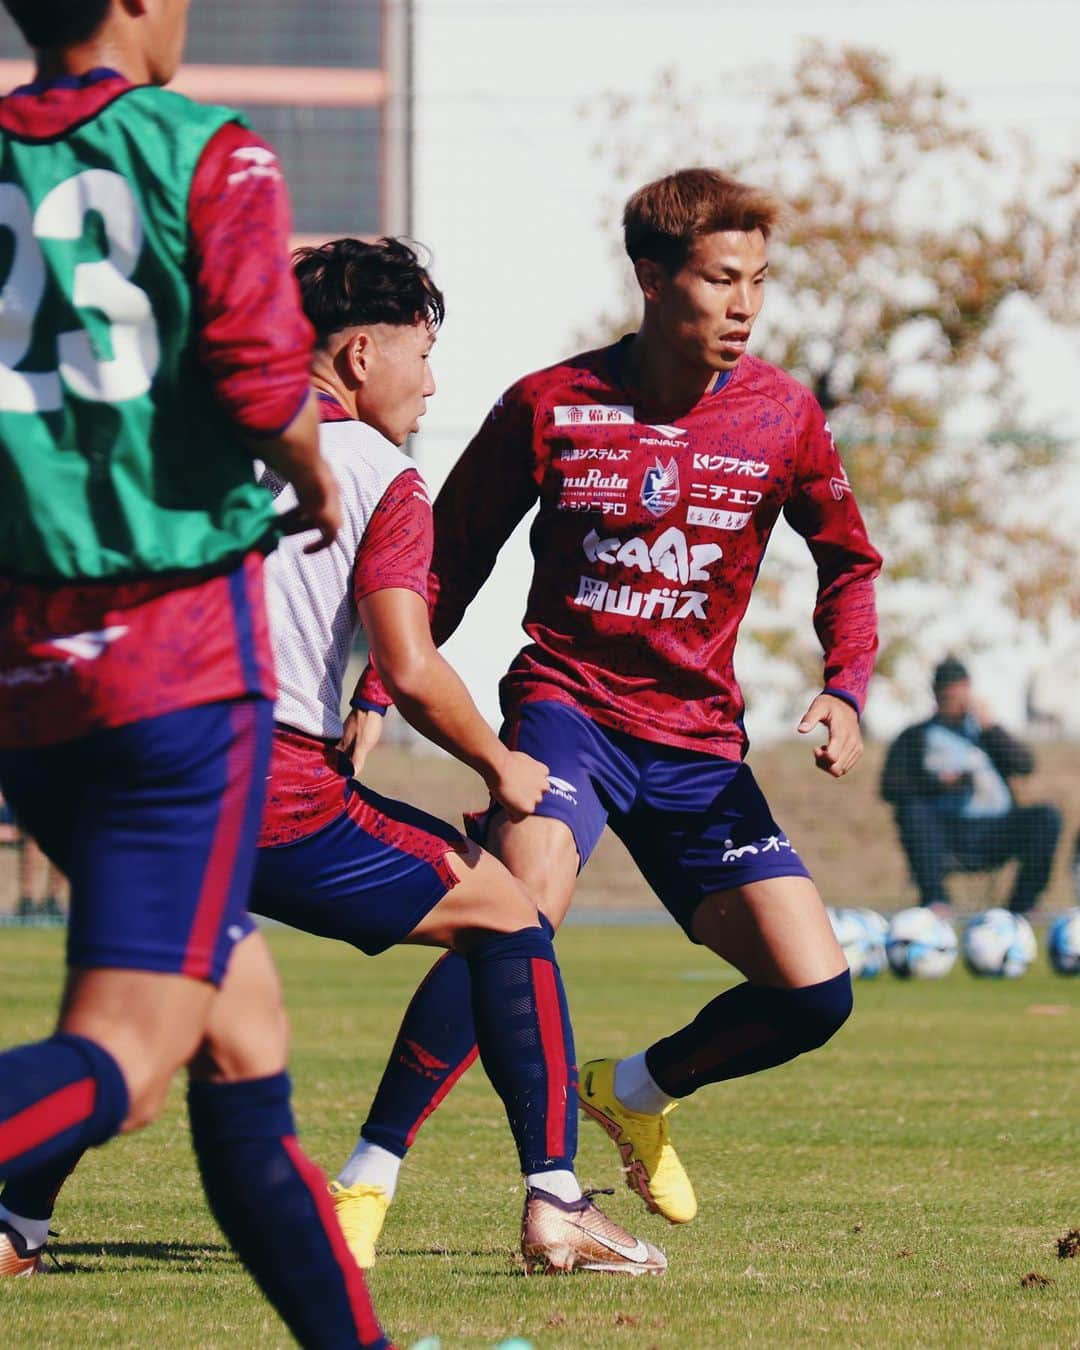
57, 1099
435, 1045
746, 1029
32, 1195
273, 1205
526, 1044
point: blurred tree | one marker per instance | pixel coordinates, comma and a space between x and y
914, 253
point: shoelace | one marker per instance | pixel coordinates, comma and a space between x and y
597, 1190
47, 1254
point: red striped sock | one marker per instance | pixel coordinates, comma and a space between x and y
57, 1098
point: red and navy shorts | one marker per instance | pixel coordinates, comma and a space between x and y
155, 824
694, 824
357, 866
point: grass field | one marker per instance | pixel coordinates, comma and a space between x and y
893, 1189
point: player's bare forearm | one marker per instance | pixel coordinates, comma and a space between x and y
359, 736
843, 747
432, 697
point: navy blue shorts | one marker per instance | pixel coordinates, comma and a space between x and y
368, 877
155, 824
694, 824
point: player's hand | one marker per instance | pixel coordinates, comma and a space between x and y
359, 736
318, 506
518, 784
844, 747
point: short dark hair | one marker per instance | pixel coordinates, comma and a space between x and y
57, 23
950, 671
348, 282
663, 218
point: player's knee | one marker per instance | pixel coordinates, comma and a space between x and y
486, 899
147, 1092
817, 1012
236, 1050
148, 1068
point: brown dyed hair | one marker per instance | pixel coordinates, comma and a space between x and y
663, 218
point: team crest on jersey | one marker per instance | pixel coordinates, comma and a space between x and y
660, 487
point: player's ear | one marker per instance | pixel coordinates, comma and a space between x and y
651, 276
359, 356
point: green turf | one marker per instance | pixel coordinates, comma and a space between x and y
892, 1189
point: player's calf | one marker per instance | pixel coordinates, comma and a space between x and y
149, 1023
247, 1030
57, 1098
273, 1205
746, 1029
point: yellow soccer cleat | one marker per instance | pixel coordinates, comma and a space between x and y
651, 1165
16, 1258
361, 1211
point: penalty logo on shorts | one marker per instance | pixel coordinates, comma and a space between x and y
660, 487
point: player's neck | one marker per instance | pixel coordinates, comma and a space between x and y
106, 51
324, 380
659, 378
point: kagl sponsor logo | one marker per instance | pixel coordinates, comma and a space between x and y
669, 554
559, 787
663, 602
660, 488
593, 414
717, 520
740, 468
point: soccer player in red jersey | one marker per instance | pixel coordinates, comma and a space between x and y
150, 339
660, 465
339, 860
336, 858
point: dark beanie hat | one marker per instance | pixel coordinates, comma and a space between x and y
950, 671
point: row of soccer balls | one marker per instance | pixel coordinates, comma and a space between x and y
917, 943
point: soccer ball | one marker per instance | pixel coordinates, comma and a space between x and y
997, 942
877, 927
850, 933
861, 935
1063, 943
920, 945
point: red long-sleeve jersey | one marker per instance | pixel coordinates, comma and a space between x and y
649, 537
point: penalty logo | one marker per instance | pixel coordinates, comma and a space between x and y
660, 487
